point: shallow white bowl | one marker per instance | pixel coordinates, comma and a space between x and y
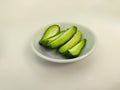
53, 55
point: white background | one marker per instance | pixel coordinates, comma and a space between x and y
20, 69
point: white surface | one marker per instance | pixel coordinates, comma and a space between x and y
20, 69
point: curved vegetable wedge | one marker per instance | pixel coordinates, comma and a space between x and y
76, 50
49, 40
50, 32
72, 42
63, 38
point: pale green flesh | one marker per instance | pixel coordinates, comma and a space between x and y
50, 32
49, 40
76, 50
72, 42
63, 38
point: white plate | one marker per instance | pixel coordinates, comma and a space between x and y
53, 55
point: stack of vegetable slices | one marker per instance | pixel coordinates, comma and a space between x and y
68, 42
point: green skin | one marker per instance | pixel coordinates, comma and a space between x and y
72, 42
76, 50
50, 32
63, 38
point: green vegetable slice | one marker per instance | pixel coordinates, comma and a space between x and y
50, 32
49, 40
76, 50
63, 38
72, 42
